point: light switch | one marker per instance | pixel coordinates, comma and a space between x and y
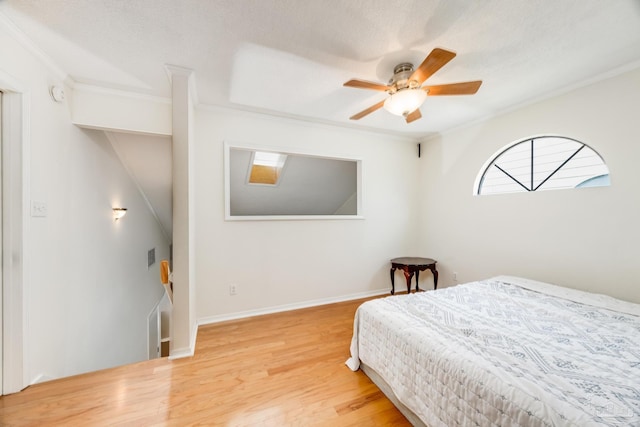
38, 209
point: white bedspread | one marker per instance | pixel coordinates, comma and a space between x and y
505, 351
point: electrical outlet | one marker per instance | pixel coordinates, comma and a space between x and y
38, 209
232, 289
455, 276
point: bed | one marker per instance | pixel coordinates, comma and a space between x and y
502, 352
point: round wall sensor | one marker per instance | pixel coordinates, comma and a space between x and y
57, 93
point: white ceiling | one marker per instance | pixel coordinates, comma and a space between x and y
291, 57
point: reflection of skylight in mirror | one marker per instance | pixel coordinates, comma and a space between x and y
543, 163
266, 167
265, 158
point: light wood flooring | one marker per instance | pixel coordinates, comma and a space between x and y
284, 369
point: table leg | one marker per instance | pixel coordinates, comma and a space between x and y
435, 276
408, 276
417, 276
393, 286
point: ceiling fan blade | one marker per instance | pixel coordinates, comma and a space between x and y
465, 88
432, 63
369, 110
362, 84
413, 116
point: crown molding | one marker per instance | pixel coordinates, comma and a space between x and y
309, 121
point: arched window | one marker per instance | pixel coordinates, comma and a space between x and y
542, 163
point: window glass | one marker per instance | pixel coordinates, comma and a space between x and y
542, 163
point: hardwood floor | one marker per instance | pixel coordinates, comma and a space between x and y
284, 369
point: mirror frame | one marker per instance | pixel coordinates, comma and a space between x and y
228, 146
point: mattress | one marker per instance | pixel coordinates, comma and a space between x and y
505, 351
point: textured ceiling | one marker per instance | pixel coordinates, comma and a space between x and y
291, 57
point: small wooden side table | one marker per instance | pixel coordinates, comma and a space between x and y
411, 266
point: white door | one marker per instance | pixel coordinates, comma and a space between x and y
1, 244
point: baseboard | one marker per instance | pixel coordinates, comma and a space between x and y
40, 378
288, 307
187, 352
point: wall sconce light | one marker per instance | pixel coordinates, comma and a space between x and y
119, 213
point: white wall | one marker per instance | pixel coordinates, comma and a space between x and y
276, 263
88, 290
586, 239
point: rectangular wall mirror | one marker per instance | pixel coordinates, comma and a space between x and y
270, 183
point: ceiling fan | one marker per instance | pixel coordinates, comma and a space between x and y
406, 93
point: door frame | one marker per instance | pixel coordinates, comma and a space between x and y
15, 222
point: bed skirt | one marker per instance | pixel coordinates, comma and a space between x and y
386, 389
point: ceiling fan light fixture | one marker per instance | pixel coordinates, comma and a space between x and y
405, 101
406, 93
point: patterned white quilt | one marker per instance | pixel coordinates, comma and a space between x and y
505, 352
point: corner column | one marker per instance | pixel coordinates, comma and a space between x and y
183, 322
